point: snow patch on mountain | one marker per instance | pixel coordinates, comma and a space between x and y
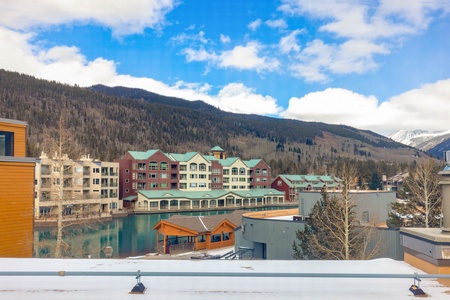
420, 139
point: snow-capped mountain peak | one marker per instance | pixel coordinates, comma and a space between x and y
419, 138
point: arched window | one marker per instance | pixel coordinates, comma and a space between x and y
234, 171
164, 166
193, 167
202, 167
242, 171
153, 165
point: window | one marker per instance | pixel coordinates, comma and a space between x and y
141, 166
95, 181
193, 167
6, 143
193, 185
163, 185
127, 180
234, 179
202, 185
226, 187
152, 175
164, 166
202, 167
216, 171
226, 172
279, 182
153, 185
242, 171
182, 167
163, 175
193, 176
127, 191
96, 170
153, 165
226, 179
141, 186
234, 171
202, 176
258, 171
183, 176
182, 186
264, 171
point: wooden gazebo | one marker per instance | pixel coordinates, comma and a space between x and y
180, 234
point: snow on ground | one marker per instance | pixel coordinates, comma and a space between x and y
272, 287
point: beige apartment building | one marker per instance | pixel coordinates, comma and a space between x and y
87, 187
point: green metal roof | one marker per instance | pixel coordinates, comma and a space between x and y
252, 162
183, 157
213, 194
316, 181
140, 155
228, 161
216, 148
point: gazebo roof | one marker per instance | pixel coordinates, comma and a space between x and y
203, 223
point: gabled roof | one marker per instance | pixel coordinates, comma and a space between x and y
140, 155
228, 161
202, 224
316, 181
252, 162
216, 148
183, 157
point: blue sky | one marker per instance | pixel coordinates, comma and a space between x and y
379, 65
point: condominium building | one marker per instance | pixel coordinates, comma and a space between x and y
16, 191
87, 187
154, 170
292, 185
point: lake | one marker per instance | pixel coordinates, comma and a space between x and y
128, 236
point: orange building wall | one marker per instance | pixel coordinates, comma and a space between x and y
20, 132
16, 209
427, 267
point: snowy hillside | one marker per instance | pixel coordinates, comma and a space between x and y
420, 139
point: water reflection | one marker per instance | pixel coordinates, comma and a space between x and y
129, 236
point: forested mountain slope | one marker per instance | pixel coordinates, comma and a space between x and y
107, 122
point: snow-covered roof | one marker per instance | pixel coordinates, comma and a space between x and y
210, 287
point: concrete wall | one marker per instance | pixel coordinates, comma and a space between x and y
377, 204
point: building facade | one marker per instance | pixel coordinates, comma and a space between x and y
16, 191
87, 187
292, 185
154, 170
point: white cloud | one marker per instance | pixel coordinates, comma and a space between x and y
356, 32
254, 25
247, 58
184, 38
236, 97
334, 106
199, 55
122, 16
225, 39
289, 43
68, 65
424, 108
276, 24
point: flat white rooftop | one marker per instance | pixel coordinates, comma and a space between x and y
210, 287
